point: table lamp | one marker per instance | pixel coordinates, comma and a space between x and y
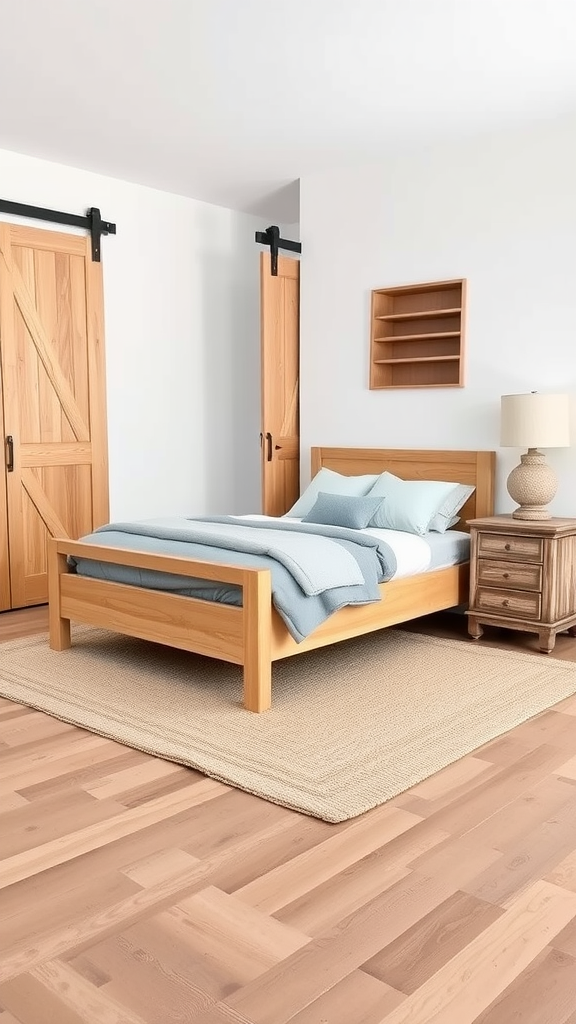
533, 421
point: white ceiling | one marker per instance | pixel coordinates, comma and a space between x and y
230, 101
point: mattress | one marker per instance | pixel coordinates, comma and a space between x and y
414, 555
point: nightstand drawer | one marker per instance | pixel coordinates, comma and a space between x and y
519, 604
513, 575
501, 545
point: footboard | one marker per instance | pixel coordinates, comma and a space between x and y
238, 635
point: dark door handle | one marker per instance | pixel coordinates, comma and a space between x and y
269, 446
10, 454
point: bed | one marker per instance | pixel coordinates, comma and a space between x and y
254, 635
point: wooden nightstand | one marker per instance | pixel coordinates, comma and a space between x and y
523, 576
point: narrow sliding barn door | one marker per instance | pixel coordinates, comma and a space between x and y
52, 368
5, 599
280, 334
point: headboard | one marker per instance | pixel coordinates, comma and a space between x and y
420, 464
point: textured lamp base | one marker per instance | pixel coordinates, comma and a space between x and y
533, 485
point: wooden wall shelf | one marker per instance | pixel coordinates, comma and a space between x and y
417, 335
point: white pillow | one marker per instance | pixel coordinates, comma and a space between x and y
329, 482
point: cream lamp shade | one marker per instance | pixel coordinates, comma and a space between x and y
534, 421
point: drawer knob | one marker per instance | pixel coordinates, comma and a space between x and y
505, 603
505, 575
507, 547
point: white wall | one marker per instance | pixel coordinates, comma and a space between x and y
181, 286
500, 212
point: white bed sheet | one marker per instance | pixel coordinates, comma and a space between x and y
413, 554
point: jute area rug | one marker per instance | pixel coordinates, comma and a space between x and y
351, 726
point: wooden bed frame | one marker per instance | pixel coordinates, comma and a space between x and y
254, 635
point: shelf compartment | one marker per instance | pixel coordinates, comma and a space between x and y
417, 299
420, 373
419, 337
427, 384
394, 348
444, 326
419, 359
416, 337
423, 314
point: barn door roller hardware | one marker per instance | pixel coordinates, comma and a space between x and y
272, 238
92, 222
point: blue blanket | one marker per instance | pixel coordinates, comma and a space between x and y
286, 548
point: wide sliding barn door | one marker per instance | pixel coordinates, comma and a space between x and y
52, 374
280, 353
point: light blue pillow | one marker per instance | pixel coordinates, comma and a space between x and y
446, 515
343, 510
331, 483
410, 505
438, 524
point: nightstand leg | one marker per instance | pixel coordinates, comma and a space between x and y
571, 630
547, 638
474, 628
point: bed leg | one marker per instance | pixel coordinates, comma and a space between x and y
257, 686
257, 607
59, 627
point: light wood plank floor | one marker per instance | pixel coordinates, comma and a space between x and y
134, 891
